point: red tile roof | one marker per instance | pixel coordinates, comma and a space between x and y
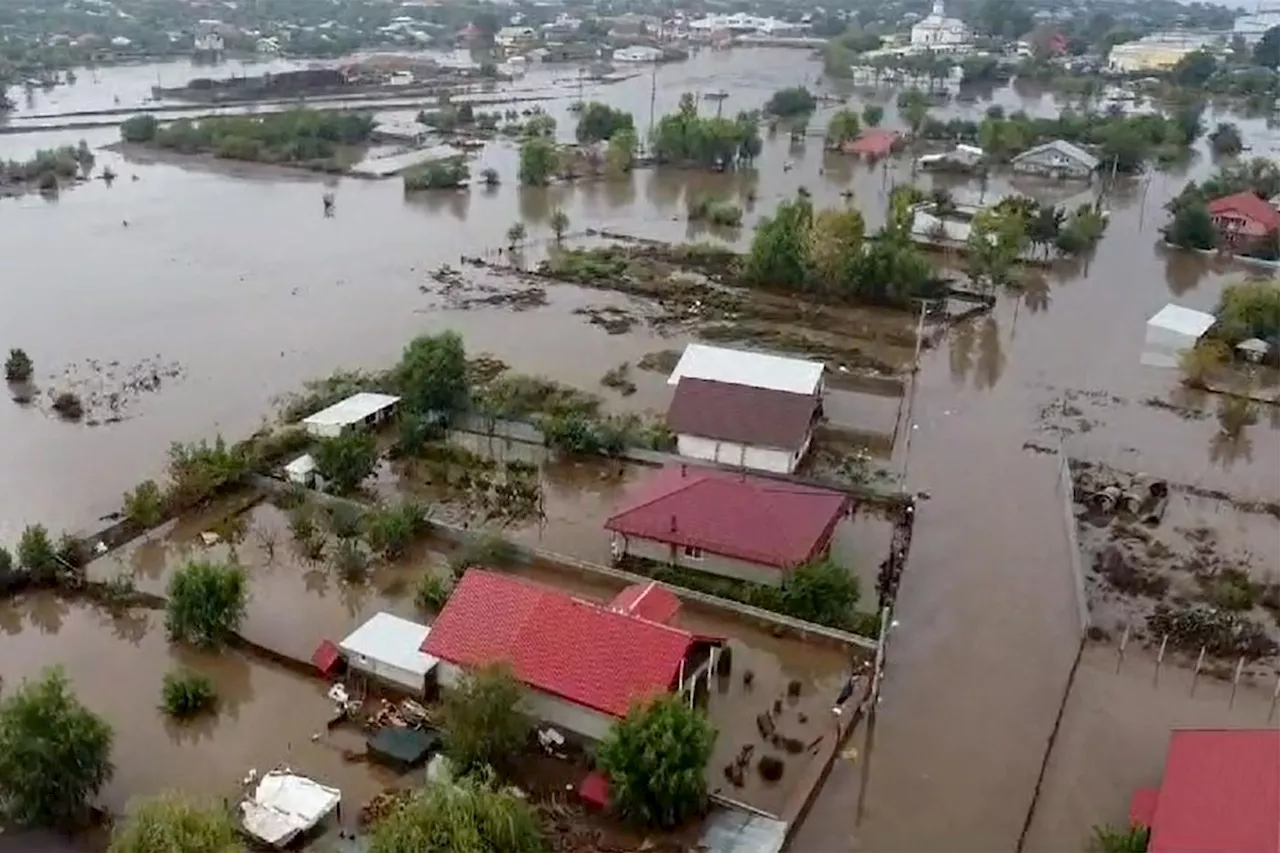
1249, 206
1220, 794
767, 522
648, 601
874, 143
741, 413
577, 650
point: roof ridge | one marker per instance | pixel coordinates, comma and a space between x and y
700, 478
605, 609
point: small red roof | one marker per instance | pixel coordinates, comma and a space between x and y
875, 142
594, 790
1249, 206
1220, 794
648, 601
577, 650
767, 522
326, 657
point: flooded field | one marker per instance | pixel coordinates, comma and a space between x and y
116, 666
241, 282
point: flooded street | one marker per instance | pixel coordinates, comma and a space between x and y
242, 282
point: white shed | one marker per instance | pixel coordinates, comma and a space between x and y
756, 369
390, 649
358, 410
301, 470
286, 805
1173, 330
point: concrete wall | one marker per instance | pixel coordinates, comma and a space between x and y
544, 707
715, 564
738, 455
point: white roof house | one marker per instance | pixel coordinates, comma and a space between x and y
1171, 331
739, 367
390, 648
301, 470
285, 805
361, 408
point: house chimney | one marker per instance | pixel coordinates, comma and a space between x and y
673, 522
684, 470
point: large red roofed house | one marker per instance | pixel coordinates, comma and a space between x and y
1243, 220
727, 523
584, 663
1220, 794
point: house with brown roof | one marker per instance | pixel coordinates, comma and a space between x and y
727, 523
582, 662
744, 409
1244, 221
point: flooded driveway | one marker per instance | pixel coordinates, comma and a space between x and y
242, 282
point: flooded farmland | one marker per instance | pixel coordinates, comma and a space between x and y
240, 281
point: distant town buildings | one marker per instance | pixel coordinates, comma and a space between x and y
1158, 52
937, 32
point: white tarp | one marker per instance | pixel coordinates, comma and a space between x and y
286, 805
1172, 331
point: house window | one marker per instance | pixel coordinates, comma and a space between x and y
692, 552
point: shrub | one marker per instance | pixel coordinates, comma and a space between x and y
490, 177
391, 530
144, 506
488, 549
18, 367
1110, 839
345, 521
346, 460
186, 693
170, 823
55, 754
71, 552
482, 719
1249, 310
433, 592
206, 603
444, 174
824, 592
139, 128
350, 559
69, 406
36, 553
466, 817
656, 759
198, 471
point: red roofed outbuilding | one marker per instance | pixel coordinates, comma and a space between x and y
583, 662
1220, 794
727, 523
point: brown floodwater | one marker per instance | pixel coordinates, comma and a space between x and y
241, 281
116, 666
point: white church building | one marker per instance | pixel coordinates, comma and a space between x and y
940, 33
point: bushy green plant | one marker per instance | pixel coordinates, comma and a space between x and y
173, 824
484, 725
36, 553
391, 530
656, 760
460, 817
144, 505
186, 693
350, 559
433, 592
207, 602
345, 461
1111, 839
18, 367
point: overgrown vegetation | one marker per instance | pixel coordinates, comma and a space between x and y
1248, 309
390, 531
1111, 839
55, 754
48, 168
449, 173
539, 158
432, 592
704, 207
170, 823
186, 693
345, 461
788, 103
685, 138
460, 817
144, 504
483, 721
206, 603
600, 122
314, 138
36, 554
656, 759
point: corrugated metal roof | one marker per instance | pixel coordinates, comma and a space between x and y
739, 367
352, 410
760, 417
1184, 321
733, 831
388, 639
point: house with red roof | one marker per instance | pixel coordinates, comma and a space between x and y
1244, 221
1220, 794
584, 663
727, 523
875, 142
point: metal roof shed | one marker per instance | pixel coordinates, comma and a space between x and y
362, 408
390, 648
1171, 331
756, 369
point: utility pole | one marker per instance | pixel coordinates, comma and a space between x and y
653, 98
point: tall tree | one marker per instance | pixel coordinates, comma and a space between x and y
1267, 51
55, 754
834, 249
433, 374
778, 250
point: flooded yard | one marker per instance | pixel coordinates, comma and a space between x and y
242, 289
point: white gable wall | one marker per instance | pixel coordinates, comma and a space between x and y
754, 457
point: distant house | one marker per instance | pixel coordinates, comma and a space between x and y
356, 412
1220, 794
745, 409
743, 527
1056, 159
584, 663
874, 143
1172, 331
1244, 221
512, 36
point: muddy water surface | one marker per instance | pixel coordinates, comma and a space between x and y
244, 283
